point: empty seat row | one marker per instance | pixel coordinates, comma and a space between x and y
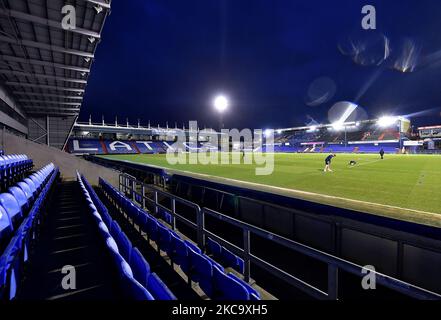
15, 203
200, 268
224, 256
13, 166
30, 193
136, 278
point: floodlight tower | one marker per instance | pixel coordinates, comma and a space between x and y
221, 104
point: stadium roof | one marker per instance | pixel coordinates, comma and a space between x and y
44, 66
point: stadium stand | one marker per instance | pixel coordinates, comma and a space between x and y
20, 215
139, 284
200, 268
12, 168
93, 146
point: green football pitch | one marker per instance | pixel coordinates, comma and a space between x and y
407, 187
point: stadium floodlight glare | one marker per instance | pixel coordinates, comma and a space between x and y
268, 132
386, 121
338, 126
221, 103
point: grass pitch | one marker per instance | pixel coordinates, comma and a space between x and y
407, 187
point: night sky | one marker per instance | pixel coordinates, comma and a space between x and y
283, 63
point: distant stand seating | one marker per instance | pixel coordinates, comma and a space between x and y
299, 141
97, 146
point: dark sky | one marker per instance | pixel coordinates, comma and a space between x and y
164, 60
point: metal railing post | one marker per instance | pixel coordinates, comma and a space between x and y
200, 220
133, 189
332, 282
246, 258
143, 196
156, 202
174, 213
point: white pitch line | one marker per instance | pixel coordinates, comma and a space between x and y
437, 215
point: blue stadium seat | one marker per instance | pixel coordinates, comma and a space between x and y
37, 182
20, 196
31, 185
214, 248
107, 219
115, 229
11, 206
231, 260
254, 295
152, 228
132, 288
201, 271
96, 217
180, 253
111, 245
193, 246
143, 222
158, 289
140, 217
103, 230
132, 212
140, 267
164, 239
5, 225
124, 244
227, 288
27, 191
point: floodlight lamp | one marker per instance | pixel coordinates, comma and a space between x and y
268, 133
338, 126
221, 103
386, 121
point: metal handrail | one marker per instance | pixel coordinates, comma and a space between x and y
335, 264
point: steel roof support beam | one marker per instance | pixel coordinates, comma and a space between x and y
42, 95
35, 108
102, 3
38, 45
43, 63
52, 113
50, 102
43, 76
50, 23
43, 86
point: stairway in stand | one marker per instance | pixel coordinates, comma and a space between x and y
69, 238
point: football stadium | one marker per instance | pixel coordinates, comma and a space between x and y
120, 181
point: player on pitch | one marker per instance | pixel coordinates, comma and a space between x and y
328, 162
